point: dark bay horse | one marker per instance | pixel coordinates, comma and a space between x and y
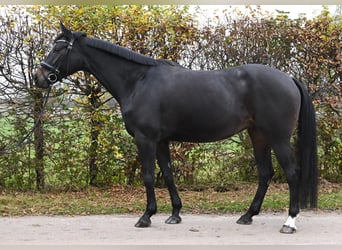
161, 102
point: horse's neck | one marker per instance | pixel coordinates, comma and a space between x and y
116, 74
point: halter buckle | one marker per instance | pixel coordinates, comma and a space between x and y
53, 78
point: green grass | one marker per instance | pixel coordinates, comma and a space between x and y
123, 199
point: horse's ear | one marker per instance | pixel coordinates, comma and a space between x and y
65, 31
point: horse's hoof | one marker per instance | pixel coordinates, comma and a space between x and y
144, 221
173, 220
287, 230
244, 220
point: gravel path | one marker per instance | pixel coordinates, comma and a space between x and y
314, 228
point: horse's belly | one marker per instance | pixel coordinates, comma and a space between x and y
209, 130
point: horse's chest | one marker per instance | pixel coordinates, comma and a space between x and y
143, 118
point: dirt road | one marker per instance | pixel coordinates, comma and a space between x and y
313, 229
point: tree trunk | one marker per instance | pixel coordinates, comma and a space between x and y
94, 134
93, 91
39, 141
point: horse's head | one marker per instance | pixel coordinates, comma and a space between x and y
63, 59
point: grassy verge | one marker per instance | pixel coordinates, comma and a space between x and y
123, 199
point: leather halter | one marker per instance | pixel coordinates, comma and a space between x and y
53, 76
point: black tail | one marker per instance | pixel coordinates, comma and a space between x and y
307, 150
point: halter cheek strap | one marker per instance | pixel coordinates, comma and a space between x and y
53, 76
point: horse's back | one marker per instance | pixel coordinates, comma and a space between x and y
180, 104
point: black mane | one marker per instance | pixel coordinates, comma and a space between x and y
120, 51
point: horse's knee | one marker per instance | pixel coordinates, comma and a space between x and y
148, 180
265, 178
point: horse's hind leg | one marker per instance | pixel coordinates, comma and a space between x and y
287, 161
262, 153
164, 162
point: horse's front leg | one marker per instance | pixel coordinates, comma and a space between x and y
147, 153
164, 162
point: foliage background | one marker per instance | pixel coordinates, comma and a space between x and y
81, 140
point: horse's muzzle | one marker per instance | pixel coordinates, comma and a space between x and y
43, 81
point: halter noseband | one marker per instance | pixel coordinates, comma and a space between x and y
53, 76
